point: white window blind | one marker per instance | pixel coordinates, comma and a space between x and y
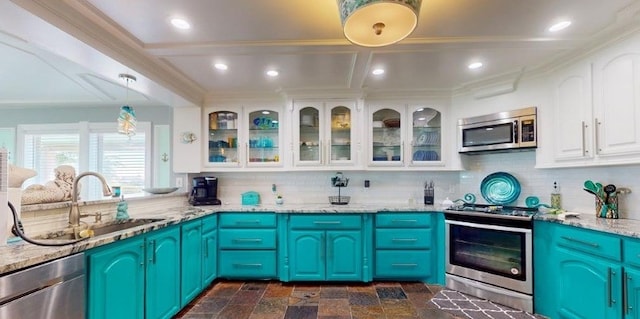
120, 159
96, 147
43, 152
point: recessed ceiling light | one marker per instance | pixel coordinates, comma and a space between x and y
377, 71
220, 66
272, 73
559, 26
475, 65
180, 23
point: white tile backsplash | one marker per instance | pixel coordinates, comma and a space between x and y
406, 186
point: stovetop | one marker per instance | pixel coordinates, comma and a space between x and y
495, 211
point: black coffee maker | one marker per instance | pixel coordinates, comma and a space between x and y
205, 191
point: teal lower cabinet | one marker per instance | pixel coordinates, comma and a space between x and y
578, 273
631, 301
247, 246
199, 255
326, 247
191, 261
404, 247
124, 277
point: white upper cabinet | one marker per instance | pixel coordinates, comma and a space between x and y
573, 120
325, 134
617, 104
597, 109
243, 137
405, 136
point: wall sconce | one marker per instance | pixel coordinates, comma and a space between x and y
189, 137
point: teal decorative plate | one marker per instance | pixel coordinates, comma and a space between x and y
500, 188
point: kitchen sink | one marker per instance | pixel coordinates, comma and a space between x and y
98, 229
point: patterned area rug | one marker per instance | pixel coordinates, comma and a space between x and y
466, 306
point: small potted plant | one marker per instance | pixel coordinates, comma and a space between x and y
279, 199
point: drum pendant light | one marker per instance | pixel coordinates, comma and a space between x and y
376, 23
127, 118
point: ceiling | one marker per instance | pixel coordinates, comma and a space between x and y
303, 40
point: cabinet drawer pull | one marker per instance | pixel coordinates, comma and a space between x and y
248, 265
253, 221
404, 221
594, 245
244, 240
336, 222
405, 239
625, 292
610, 274
404, 265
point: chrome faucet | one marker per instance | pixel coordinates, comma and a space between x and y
74, 212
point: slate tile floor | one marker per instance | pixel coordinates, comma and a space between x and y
277, 300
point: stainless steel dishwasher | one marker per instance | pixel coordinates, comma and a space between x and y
52, 290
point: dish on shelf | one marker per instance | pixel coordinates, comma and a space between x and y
422, 155
392, 122
427, 138
377, 124
500, 188
160, 190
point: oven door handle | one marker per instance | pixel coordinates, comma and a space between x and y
484, 226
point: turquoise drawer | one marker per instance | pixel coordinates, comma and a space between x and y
209, 223
247, 239
257, 264
247, 220
403, 238
328, 221
589, 241
405, 264
631, 251
403, 220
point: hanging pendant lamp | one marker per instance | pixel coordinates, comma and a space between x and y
376, 23
127, 118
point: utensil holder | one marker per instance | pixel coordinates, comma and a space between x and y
611, 211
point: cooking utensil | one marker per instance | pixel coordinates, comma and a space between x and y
593, 193
608, 190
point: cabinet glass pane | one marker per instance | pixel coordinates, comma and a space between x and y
309, 134
264, 136
340, 133
386, 136
426, 144
223, 137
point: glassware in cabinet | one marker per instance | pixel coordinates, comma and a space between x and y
223, 137
263, 144
426, 145
340, 134
386, 136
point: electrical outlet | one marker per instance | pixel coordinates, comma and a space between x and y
367, 183
179, 182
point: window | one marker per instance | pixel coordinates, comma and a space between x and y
97, 147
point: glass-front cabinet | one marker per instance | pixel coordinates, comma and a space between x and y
387, 136
263, 139
405, 136
222, 148
324, 133
244, 137
425, 135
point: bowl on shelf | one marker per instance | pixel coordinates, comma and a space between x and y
377, 124
160, 190
392, 122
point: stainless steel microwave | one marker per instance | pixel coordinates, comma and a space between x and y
504, 131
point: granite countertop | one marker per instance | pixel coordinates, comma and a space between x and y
624, 227
21, 254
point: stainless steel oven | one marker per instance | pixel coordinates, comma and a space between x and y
489, 255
